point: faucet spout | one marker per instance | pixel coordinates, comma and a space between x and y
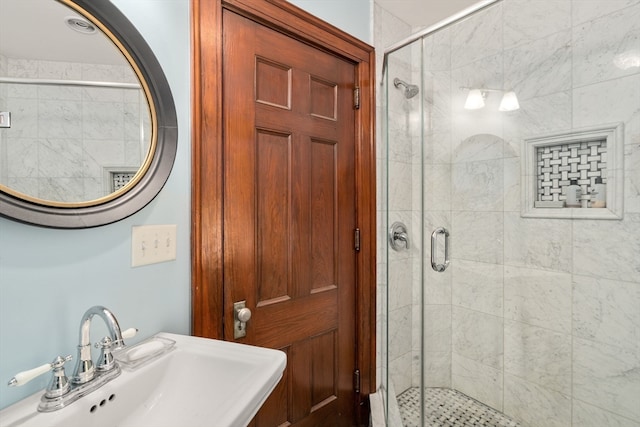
85, 370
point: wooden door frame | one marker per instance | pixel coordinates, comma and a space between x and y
207, 162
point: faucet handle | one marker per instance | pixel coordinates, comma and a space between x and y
24, 377
124, 335
106, 361
129, 333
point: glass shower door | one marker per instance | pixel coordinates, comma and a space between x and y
402, 225
536, 316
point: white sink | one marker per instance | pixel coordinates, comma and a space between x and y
201, 382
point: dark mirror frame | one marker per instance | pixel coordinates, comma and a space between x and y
150, 184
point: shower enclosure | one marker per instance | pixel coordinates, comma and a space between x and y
494, 289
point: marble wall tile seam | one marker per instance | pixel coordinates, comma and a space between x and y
507, 318
479, 74
524, 104
631, 349
605, 375
525, 42
610, 101
497, 211
499, 371
589, 276
623, 11
538, 384
478, 336
500, 317
405, 162
541, 268
604, 80
533, 70
501, 156
604, 409
487, 263
604, 251
478, 36
538, 297
555, 375
437, 304
397, 212
436, 163
575, 21
531, 404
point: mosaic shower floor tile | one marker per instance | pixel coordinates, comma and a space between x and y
449, 408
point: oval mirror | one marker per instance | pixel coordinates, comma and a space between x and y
88, 128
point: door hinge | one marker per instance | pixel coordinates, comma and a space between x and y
356, 239
356, 381
356, 97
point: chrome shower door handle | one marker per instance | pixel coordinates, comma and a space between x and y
434, 249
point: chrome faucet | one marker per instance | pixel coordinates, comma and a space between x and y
85, 369
86, 377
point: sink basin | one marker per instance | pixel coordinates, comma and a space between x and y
200, 382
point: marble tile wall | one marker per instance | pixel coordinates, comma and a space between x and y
438, 195
62, 137
394, 203
539, 318
551, 290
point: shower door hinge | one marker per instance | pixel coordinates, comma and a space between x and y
356, 97
356, 381
356, 239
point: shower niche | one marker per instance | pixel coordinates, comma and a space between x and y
589, 160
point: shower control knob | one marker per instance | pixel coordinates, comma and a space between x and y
244, 315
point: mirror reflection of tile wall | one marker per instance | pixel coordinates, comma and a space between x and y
63, 137
3, 103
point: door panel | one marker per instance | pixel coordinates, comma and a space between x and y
273, 227
289, 216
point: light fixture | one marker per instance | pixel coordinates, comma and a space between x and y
80, 25
475, 99
628, 59
509, 102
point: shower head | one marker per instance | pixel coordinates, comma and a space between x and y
409, 90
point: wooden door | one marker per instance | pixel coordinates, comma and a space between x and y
289, 216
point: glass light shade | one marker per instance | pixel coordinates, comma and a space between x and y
509, 102
628, 59
475, 100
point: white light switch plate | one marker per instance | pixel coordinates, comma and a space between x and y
151, 244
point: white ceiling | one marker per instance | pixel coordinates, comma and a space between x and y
36, 29
423, 13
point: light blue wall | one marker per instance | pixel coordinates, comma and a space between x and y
352, 16
48, 278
